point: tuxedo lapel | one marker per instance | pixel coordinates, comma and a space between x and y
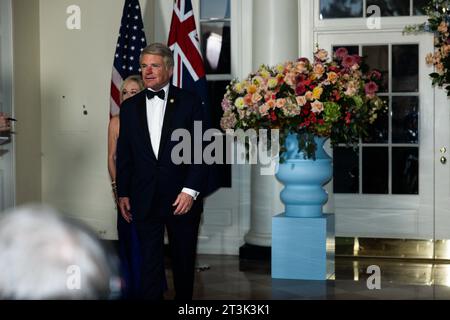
143, 124
170, 107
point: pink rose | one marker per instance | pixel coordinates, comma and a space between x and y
348, 61
375, 74
341, 53
280, 103
370, 88
300, 90
357, 58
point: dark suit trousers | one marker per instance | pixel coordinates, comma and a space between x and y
182, 233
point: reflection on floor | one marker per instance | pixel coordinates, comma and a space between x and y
393, 248
227, 278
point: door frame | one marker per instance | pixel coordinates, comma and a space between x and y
8, 182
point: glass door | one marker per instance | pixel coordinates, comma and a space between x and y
384, 191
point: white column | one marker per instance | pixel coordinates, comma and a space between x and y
265, 202
275, 39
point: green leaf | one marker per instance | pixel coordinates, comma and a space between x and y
358, 101
434, 75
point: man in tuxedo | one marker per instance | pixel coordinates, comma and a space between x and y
153, 191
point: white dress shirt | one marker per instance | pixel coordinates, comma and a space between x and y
155, 118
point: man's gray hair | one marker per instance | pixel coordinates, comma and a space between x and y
41, 253
159, 49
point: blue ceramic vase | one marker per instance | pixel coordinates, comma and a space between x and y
303, 194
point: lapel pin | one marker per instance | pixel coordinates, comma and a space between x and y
172, 100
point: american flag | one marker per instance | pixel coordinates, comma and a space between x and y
130, 43
189, 71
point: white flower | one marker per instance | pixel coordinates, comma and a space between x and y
317, 107
239, 103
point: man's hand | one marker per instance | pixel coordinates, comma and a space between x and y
124, 205
5, 124
183, 204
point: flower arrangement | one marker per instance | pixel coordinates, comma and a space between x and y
438, 23
330, 98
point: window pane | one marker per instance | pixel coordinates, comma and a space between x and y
215, 38
216, 90
405, 170
214, 9
391, 7
340, 9
405, 68
375, 170
377, 57
418, 7
345, 170
379, 130
405, 115
350, 49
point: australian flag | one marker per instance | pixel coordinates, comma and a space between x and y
130, 43
189, 71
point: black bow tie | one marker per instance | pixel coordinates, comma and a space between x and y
151, 94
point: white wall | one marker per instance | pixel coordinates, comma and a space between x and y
27, 104
162, 18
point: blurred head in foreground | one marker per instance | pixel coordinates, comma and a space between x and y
46, 256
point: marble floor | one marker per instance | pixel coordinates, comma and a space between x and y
222, 277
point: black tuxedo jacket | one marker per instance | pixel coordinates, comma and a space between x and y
151, 183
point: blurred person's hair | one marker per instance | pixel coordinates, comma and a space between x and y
159, 49
38, 248
136, 78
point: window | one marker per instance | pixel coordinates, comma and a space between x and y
387, 161
333, 9
215, 25
341, 9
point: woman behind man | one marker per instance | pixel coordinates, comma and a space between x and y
128, 243
130, 86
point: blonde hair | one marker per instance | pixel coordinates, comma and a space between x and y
136, 78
